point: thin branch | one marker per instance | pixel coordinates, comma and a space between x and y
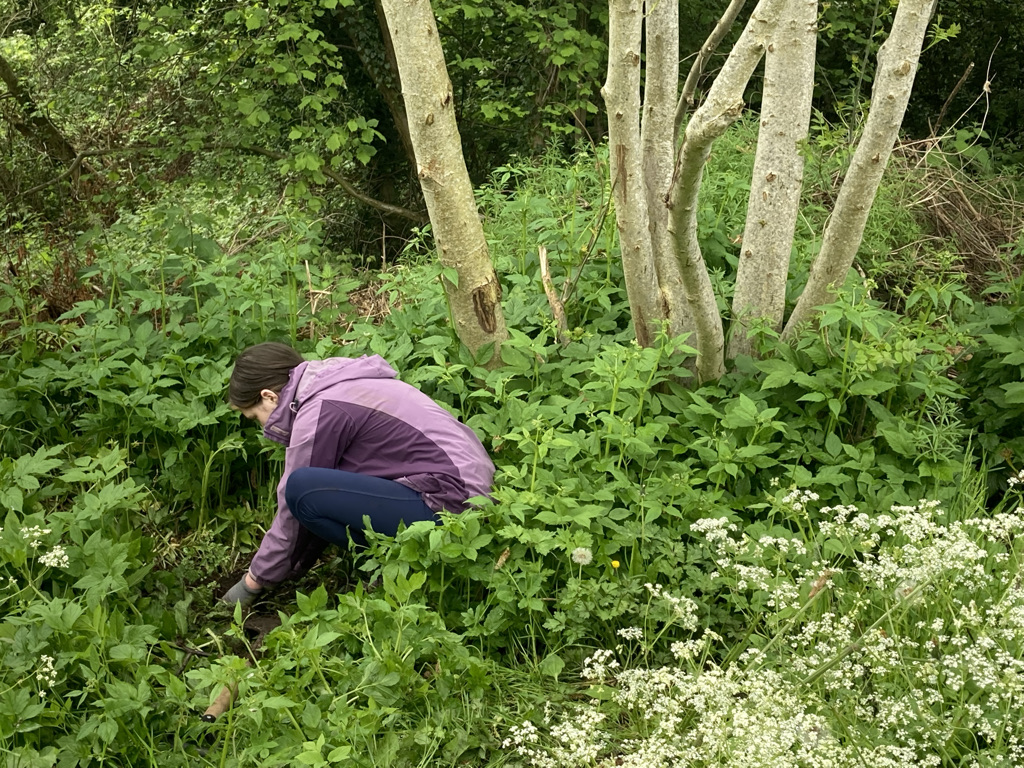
697, 69
416, 217
570, 285
75, 165
949, 99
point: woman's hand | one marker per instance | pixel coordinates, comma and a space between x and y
244, 592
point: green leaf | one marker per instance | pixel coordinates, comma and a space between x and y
552, 665
451, 275
1014, 393
401, 588
601, 692
871, 387
342, 753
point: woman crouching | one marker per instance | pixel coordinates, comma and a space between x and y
357, 442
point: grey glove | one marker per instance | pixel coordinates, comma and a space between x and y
240, 594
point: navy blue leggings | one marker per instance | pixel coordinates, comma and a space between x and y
331, 503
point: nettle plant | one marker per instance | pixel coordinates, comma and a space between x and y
994, 371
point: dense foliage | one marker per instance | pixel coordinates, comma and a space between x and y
152, 91
821, 545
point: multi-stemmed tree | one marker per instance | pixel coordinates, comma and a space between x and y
656, 172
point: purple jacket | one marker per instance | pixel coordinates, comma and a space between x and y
355, 415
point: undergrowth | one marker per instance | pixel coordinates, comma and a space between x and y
699, 528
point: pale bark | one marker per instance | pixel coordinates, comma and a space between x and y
722, 107
894, 77
476, 300
724, 24
778, 175
557, 307
657, 147
621, 94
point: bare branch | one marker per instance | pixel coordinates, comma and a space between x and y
706, 50
949, 99
416, 217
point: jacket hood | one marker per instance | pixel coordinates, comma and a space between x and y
311, 378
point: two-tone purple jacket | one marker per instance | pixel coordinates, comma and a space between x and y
355, 415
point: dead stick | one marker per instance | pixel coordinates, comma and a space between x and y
549, 289
223, 702
952, 95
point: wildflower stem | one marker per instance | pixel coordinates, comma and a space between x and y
816, 674
763, 654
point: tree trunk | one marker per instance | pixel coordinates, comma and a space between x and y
658, 136
777, 176
621, 94
894, 78
35, 125
722, 107
392, 97
476, 298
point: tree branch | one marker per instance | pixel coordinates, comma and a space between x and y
417, 217
720, 109
37, 126
894, 78
716, 36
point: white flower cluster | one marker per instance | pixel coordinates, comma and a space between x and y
684, 609
935, 550
1000, 527
34, 535
599, 665
582, 556
575, 745
630, 633
46, 674
1014, 480
840, 513
920, 637
716, 532
798, 500
55, 558
784, 546
684, 650
521, 738
696, 719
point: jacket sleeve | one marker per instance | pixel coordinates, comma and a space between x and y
287, 548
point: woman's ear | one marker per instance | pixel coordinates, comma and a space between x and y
269, 394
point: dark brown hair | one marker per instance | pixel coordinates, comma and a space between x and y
263, 366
